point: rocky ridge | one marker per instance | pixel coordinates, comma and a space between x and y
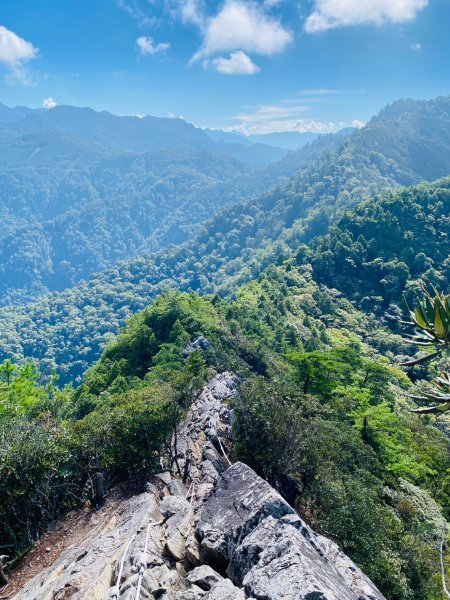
204, 529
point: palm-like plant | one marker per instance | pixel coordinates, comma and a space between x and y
438, 396
431, 322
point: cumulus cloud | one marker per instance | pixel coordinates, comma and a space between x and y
225, 27
49, 103
416, 47
357, 123
237, 64
147, 46
243, 26
15, 52
330, 14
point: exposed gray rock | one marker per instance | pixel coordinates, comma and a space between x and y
238, 503
209, 472
177, 488
220, 534
194, 593
165, 477
212, 455
225, 590
352, 574
275, 561
86, 572
247, 529
223, 386
192, 550
204, 577
179, 527
171, 505
201, 343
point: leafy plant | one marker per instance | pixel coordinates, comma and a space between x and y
431, 322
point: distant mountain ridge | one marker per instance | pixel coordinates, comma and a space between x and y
61, 118
131, 133
9, 115
289, 140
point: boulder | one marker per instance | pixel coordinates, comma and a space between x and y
177, 488
165, 477
225, 590
237, 504
250, 533
179, 526
204, 577
171, 505
276, 562
352, 574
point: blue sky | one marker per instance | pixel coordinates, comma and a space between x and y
252, 65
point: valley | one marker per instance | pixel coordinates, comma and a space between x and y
293, 274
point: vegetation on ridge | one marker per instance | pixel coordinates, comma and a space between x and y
320, 414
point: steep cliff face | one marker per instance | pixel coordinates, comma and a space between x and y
204, 529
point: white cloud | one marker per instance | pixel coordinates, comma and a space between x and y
416, 47
330, 14
320, 92
49, 103
243, 26
238, 64
147, 47
357, 123
192, 12
14, 53
272, 112
279, 117
136, 12
299, 125
14, 49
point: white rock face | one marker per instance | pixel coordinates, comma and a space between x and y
203, 530
247, 529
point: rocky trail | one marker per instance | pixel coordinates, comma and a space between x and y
203, 529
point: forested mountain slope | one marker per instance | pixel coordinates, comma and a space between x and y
69, 329
71, 208
72, 220
318, 413
381, 249
81, 190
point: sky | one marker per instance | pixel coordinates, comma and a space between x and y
253, 66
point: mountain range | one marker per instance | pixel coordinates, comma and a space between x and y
83, 189
407, 143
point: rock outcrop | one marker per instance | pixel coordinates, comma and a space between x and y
204, 529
